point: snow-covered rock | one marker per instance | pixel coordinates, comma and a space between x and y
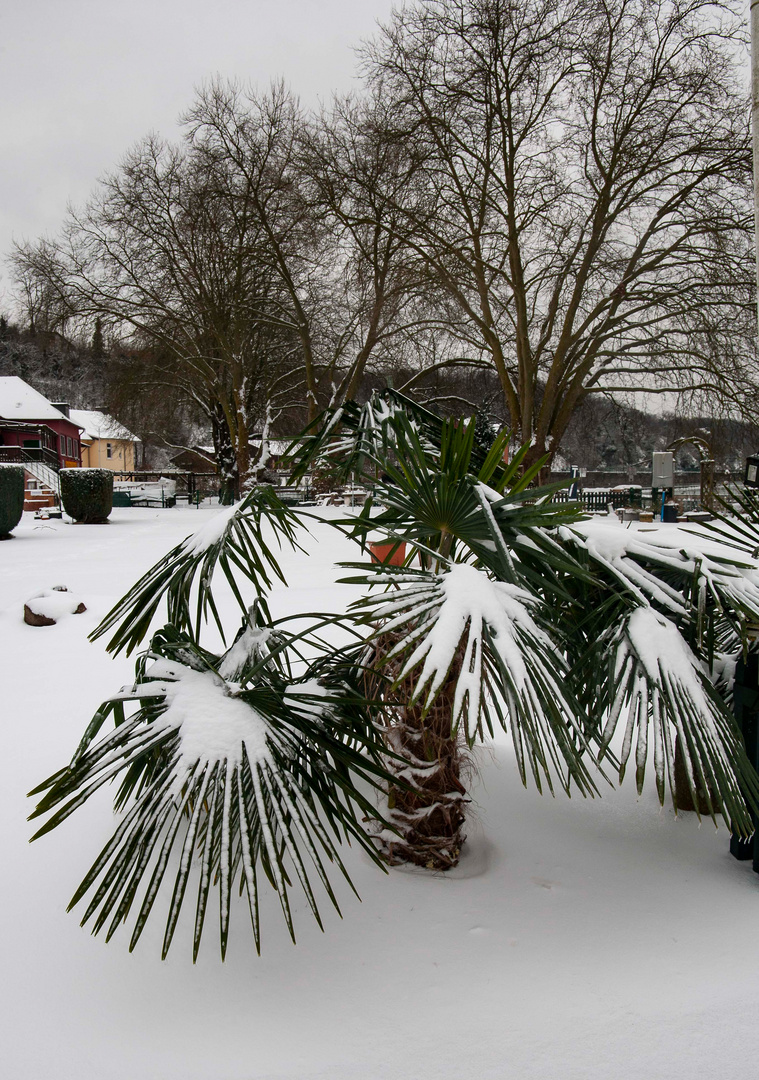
45, 608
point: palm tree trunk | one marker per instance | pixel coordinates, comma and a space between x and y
429, 815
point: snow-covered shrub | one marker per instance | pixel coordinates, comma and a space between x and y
87, 494
11, 497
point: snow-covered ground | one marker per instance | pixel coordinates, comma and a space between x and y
597, 940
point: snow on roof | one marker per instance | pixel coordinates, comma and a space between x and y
20, 401
276, 446
279, 446
100, 425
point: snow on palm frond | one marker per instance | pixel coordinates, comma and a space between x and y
655, 565
230, 779
251, 646
737, 525
659, 685
233, 540
343, 438
507, 665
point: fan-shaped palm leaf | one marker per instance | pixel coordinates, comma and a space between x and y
660, 686
508, 667
660, 565
227, 779
234, 540
708, 589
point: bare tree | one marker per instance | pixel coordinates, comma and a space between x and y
583, 194
243, 261
169, 253
43, 309
387, 319
323, 191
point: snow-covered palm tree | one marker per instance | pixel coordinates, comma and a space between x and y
511, 610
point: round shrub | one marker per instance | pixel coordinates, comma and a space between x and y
87, 494
11, 497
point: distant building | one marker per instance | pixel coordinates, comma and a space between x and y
200, 459
276, 450
34, 428
106, 444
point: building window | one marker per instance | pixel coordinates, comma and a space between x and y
109, 450
70, 445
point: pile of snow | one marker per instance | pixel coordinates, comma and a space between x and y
212, 725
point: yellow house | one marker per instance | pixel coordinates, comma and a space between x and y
106, 444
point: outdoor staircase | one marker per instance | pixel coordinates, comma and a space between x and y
38, 498
42, 483
45, 474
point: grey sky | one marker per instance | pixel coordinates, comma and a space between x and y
81, 80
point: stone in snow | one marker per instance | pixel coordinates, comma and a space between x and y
45, 608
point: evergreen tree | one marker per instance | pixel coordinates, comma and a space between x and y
98, 343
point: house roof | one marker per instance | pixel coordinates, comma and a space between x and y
275, 446
205, 452
279, 446
100, 425
19, 401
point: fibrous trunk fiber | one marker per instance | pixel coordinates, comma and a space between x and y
429, 814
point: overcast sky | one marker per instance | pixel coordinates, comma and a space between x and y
82, 80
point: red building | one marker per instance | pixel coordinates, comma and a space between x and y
33, 429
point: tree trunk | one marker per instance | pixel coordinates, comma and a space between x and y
429, 818
226, 461
534, 453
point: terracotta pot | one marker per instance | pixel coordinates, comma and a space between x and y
380, 552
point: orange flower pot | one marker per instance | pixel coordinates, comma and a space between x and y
381, 552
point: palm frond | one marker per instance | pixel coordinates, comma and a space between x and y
222, 780
439, 502
737, 524
661, 688
506, 664
359, 440
235, 541
683, 573
342, 439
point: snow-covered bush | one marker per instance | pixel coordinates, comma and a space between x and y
87, 494
11, 497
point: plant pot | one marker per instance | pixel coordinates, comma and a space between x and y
382, 552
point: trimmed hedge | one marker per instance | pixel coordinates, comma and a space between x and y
87, 494
11, 497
